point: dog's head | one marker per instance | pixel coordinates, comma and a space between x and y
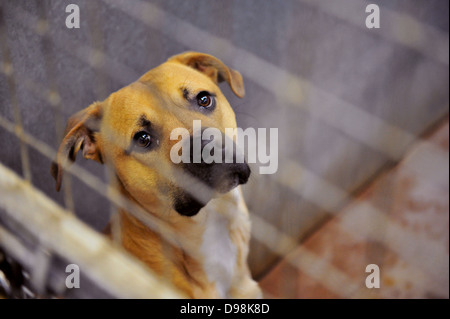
131, 131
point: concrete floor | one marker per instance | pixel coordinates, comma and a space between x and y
399, 223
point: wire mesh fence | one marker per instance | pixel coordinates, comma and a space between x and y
39, 238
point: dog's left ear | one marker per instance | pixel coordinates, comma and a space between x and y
80, 134
214, 68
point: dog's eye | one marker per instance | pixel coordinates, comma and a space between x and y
205, 100
142, 139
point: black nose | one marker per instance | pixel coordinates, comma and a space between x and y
242, 172
220, 176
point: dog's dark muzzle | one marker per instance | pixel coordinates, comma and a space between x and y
213, 171
220, 177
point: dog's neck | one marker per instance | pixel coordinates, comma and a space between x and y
196, 253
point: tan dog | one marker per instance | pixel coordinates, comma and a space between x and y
130, 131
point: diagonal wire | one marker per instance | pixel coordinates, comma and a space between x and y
266, 236
8, 70
411, 139
54, 99
396, 27
290, 89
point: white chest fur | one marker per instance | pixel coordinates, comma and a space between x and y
218, 251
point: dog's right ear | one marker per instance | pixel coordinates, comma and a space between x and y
213, 68
81, 133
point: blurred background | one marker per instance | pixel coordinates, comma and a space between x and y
362, 116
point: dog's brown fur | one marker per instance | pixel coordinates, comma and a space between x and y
103, 132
